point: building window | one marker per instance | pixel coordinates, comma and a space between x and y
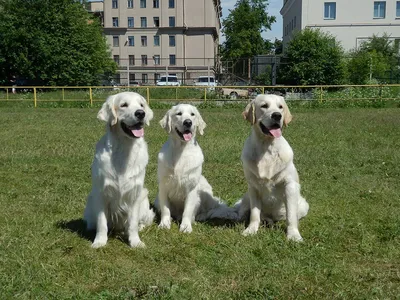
143, 22
130, 3
114, 3
156, 77
145, 78
397, 9
172, 59
142, 3
379, 9
156, 3
115, 41
115, 22
172, 41
118, 78
131, 60
132, 77
116, 59
130, 22
156, 40
330, 10
171, 4
171, 21
131, 41
143, 39
156, 21
144, 60
156, 59
295, 23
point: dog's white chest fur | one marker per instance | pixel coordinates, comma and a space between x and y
181, 170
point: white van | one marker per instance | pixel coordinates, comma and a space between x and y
206, 81
171, 80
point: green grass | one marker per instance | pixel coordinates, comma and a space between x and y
349, 166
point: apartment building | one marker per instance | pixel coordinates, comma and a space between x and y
351, 21
150, 38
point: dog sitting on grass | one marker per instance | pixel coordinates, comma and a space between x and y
118, 199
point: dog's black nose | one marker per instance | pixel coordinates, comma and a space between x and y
140, 114
187, 123
276, 116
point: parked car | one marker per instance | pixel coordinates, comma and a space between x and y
206, 81
243, 90
170, 80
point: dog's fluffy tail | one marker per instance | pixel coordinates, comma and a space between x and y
214, 208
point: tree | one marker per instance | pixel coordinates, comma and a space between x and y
243, 28
52, 43
373, 60
313, 57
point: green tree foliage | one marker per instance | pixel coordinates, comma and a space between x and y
376, 59
243, 28
51, 42
313, 57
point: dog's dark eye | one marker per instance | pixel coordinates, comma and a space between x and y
280, 106
179, 114
192, 114
124, 105
141, 105
265, 105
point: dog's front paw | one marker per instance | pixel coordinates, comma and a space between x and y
294, 235
186, 228
136, 243
99, 242
250, 230
165, 223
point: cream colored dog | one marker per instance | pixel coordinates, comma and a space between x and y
184, 193
273, 183
118, 199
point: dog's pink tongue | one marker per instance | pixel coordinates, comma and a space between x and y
276, 132
187, 136
138, 132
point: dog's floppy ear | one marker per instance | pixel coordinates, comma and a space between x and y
107, 112
249, 113
287, 116
166, 121
200, 124
148, 111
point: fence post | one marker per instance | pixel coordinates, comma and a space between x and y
148, 95
205, 94
263, 90
63, 98
34, 97
6, 94
176, 94
320, 95
91, 96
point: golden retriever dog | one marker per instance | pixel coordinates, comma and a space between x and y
273, 183
184, 193
118, 199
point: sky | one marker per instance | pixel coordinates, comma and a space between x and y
273, 9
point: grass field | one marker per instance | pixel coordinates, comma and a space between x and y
349, 166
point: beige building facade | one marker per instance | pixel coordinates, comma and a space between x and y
151, 38
350, 21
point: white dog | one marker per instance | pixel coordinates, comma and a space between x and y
273, 183
183, 192
118, 199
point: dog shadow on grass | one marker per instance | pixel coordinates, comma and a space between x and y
77, 226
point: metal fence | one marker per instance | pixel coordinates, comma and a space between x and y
93, 94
